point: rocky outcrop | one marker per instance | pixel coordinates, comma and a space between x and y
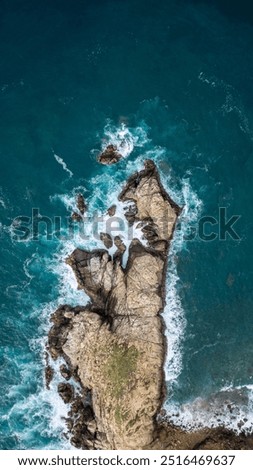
173, 438
110, 155
77, 216
81, 204
115, 346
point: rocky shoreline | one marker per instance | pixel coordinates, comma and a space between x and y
114, 348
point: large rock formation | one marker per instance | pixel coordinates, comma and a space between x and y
115, 346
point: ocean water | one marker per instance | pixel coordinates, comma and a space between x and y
172, 81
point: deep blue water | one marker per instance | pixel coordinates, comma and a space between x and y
180, 76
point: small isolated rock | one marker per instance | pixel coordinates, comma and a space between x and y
66, 392
110, 155
82, 208
49, 373
106, 239
81, 204
112, 210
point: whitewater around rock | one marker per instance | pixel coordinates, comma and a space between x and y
114, 347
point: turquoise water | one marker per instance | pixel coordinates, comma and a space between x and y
179, 76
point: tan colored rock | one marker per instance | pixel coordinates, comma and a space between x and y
151, 200
116, 345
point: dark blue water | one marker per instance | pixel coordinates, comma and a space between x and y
179, 76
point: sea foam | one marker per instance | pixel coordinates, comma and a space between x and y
102, 192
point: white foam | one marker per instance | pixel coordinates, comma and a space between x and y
119, 227
45, 405
124, 138
2, 203
68, 292
231, 407
209, 81
69, 200
43, 410
63, 164
26, 266
213, 409
105, 193
173, 312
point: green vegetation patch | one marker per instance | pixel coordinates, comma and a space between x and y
120, 367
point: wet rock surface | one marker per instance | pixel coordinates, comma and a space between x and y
81, 204
77, 216
49, 373
110, 155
